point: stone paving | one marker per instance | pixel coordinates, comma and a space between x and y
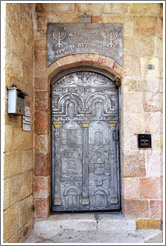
90, 228
71, 236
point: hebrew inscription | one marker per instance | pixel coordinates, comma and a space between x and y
85, 160
64, 39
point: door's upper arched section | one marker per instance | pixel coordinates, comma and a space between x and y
90, 60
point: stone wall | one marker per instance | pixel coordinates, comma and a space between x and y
18, 145
141, 91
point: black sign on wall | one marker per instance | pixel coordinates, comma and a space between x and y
144, 141
64, 39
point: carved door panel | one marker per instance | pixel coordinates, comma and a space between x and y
85, 145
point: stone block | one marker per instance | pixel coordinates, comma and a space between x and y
132, 66
12, 164
115, 8
159, 47
129, 145
134, 123
21, 234
42, 164
41, 84
22, 139
136, 208
41, 122
27, 160
148, 224
133, 102
154, 73
41, 144
153, 102
134, 165
159, 28
131, 188
67, 62
42, 208
145, 9
156, 209
40, 63
8, 141
129, 85
140, 46
96, 19
153, 165
7, 193
90, 8
145, 25
10, 221
25, 211
58, 8
153, 122
150, 188
41, 187
41, 101
158, 143
149, 85
21, 186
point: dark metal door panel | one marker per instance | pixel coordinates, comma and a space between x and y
85, 159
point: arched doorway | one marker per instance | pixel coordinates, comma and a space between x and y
85, 141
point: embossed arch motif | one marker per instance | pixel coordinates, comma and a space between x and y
85, 147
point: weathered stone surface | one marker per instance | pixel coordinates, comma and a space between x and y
42, 207
133, 102
148, 224
96, 19
131, 67
21, 186
25, 211
131, 188
158, 143
8, 145
136, 208
41, 122
57, 8
6, 193
153, 102
153, 166
41, 100
10, 221
156, 209
42, 164
150, 84
115, 8
129, 145
134, 123
150, 188
145, 25
41, 84
90, 8
22, 139
12, 164
41, 144
147, 9
134, 166
153, 122
21, 234
140, 46
41, 187
27, 160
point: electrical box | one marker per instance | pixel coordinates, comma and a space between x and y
16, 101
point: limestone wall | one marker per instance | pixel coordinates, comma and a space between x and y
141, 91
18, 145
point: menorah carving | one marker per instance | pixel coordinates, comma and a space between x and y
111, 36
59, 37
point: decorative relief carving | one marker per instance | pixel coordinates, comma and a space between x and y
72, 38
84, 144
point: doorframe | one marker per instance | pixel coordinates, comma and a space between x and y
53, 81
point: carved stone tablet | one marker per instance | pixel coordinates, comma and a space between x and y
64, 39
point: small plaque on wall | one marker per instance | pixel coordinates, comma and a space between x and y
144, 141
27, 119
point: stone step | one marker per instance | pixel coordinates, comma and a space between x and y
84, 222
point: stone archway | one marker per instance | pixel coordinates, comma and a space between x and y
42, 116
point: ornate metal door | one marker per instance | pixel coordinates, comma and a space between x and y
85, 145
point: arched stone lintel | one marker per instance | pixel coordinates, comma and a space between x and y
93, 60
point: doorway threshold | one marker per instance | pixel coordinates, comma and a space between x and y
102, 221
